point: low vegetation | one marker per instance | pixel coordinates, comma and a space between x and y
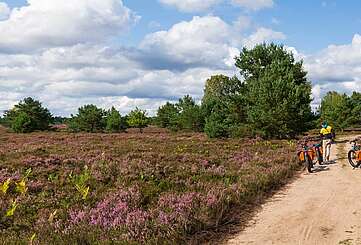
150, 188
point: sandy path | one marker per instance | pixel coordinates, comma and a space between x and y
318, 208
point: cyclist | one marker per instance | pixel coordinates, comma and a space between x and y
327, 137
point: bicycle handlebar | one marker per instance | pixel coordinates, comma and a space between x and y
355, 140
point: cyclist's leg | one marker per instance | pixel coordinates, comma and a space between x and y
324, 144
328, 148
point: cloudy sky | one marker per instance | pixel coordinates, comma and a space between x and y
145, 52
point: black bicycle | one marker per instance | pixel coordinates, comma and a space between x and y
354, 155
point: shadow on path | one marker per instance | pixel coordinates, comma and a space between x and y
320, 168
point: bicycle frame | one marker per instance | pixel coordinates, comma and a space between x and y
306, 156
306, 151
318, 148
357, 149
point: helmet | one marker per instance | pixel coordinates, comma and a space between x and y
324, 124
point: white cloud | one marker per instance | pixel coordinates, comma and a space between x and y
167, 65
67, 69
254, 4
262, 35
44, 23
297, 55
336, 68
337, 63
242, 23
4, 11
68, 77
203, 41
191, 5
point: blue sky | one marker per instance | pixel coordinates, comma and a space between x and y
310, 25
142, 53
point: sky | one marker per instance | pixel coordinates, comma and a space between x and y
145, 52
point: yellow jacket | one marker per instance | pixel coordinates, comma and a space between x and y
327, 132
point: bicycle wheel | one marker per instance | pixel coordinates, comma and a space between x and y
319, 157
352, 159
309, 164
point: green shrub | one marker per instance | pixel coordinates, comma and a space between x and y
340, 110
138, 119
215, 126
115, 122
167, 115
90, 118
22, 123
240, 131
27, 116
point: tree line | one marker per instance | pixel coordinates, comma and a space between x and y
270, 98
340, 110
29, 115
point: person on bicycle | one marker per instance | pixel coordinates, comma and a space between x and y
327, 136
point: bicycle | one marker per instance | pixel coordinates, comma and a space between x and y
307, 156
319, 152
354, 155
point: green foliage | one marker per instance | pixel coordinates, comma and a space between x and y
90, 118
21, 185
240, 131
27, 116
80, 182
278, 94
254, 62
184, 115
60, 120
356, 109
223, 88
215, 126
223, 105
167, 116
22, 123
2, 121
190, 115
115, 122
340, 110
11, 210
138, 119
5, 186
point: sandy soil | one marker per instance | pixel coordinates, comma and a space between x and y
318, 208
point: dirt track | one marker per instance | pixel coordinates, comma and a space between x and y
319, 208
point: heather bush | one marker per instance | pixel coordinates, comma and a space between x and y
151, 188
